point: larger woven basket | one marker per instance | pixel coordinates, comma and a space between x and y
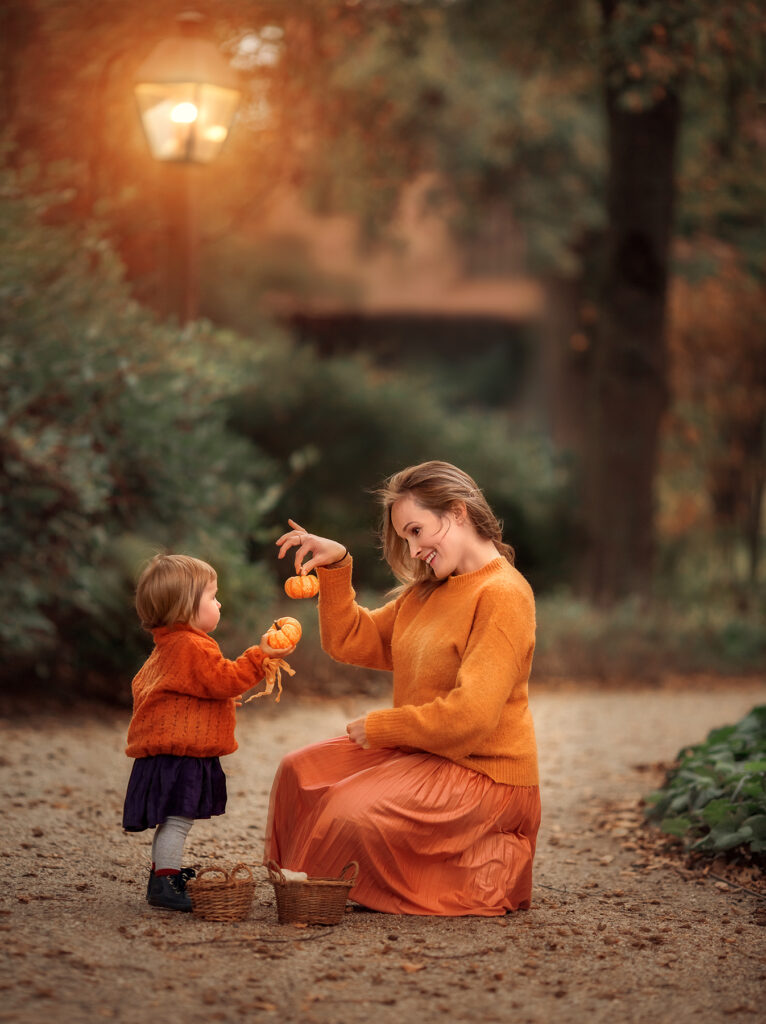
226, 897
315, 901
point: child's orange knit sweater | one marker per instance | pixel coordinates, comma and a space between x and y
461, 659
183, 695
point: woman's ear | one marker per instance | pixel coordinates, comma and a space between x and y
459, 512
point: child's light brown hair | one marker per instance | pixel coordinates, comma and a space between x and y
170, 589
439, 487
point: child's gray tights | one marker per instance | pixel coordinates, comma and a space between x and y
168, 843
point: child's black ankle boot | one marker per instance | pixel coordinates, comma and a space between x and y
168, 892
184, 876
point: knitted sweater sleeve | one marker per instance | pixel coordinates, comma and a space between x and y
496, 658
350, 633
201, 670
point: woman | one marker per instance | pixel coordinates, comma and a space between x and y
437, 797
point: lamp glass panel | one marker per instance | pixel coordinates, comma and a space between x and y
186, 121
216, 112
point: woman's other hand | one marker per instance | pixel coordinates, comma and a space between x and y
357, 734
322, 550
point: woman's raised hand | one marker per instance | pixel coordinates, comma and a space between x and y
323, 551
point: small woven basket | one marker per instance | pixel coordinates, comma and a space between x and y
315, 901
228, 897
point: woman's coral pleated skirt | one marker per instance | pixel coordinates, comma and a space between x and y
430, 836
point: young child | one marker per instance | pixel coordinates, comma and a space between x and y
183, 716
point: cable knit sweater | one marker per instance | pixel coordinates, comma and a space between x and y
461, 659
183, 695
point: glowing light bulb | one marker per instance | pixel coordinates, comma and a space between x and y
184, 113
216, 133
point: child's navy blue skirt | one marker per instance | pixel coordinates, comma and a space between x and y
166, 786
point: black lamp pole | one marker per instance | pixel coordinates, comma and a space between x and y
187, 96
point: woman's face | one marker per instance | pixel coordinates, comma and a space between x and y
436, 539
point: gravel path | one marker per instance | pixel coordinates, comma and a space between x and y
612, 935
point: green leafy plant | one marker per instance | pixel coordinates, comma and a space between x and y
336, 426
113, 445
681, 631
715, 799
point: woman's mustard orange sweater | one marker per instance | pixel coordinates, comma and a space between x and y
183, 695
461, 659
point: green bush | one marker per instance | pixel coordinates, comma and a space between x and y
715, 799
116, 441
113, 444
639, 640
338, 426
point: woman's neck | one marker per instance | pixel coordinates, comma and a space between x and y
477, 556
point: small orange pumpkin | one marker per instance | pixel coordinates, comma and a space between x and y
284, 633
302, 586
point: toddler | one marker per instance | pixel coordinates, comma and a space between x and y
183, 716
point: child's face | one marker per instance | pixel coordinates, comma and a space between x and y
209, 611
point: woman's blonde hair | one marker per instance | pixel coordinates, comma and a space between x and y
170, 589
438, 487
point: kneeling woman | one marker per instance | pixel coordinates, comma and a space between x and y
437, 797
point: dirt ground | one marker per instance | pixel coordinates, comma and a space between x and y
614, 934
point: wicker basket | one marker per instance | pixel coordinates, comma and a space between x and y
228, 897
315, 901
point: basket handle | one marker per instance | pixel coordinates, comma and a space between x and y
351, 864
275, 873
213, 871
228, 876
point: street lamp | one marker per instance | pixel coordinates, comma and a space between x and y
187, 96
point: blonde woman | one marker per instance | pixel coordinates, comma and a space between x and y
436, 797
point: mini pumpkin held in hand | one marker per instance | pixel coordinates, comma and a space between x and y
302, 586
284, 633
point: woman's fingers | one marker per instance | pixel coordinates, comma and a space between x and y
306, 543
357, 733
305, 549
318, 550
307, 566
296, 535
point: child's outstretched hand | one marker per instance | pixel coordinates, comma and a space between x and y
323, 551
272, 652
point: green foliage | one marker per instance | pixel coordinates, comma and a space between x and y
339, 426
112, 427
115, 442
449, 91
715, 799
633, 640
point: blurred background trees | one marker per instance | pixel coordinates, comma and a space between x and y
527, 238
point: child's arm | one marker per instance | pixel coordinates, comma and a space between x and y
201, 669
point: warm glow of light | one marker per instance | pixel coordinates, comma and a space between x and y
184, 113
216, 133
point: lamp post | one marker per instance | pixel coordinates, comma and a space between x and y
187, 96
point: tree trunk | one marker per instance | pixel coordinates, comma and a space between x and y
18, 26
629, 390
